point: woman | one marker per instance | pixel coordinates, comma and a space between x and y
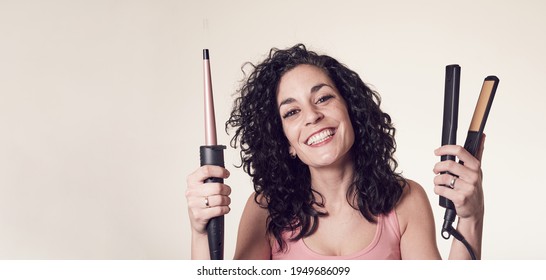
320, 154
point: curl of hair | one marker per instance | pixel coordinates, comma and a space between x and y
285, 182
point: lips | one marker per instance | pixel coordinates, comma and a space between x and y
320, 136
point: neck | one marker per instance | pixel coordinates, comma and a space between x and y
333, 182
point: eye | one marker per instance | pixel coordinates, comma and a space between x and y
324, 98
290, 113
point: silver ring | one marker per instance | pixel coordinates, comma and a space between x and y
207, 202
452, 183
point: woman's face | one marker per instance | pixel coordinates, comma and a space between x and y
314, 117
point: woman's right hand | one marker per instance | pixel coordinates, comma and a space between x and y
206, 200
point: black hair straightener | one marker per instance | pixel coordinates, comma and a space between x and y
475, 132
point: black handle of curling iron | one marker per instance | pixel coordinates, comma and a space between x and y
214, 155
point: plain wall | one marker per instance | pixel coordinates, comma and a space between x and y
101, 110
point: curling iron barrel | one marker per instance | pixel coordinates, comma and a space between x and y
212, 154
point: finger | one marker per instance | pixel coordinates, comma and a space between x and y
216, 211
208, 189
203, 215
445, 192
444, 180
457, 197
453, 182
217, 200
207, 171
216, 188
461, 153
449, 166
209, 201
462, 171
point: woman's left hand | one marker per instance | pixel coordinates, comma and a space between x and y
464, 189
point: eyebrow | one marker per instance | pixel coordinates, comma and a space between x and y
314, 89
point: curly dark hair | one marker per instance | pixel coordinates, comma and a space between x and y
285, 183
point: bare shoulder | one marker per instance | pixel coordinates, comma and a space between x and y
413, 203
256, 208
252, 239
256, 202
416, 221
413, 192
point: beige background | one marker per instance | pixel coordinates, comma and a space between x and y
101, 110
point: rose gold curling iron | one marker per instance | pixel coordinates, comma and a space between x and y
212, 154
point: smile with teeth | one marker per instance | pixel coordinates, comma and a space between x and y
320, 137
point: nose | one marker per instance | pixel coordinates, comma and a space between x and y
313, 116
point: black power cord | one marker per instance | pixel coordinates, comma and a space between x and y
448, 230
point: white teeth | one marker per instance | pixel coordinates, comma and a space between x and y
320, 137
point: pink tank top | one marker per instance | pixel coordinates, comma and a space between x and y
384, 246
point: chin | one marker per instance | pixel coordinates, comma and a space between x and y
328, 160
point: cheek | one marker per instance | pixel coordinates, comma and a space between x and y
290, 133
349, 128
351, 140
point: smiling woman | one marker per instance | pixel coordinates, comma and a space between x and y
315, 120
320, 152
